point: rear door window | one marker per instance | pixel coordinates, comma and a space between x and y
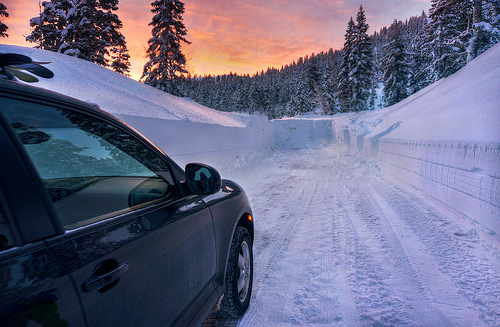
90, 168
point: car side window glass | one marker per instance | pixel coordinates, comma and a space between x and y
91, 169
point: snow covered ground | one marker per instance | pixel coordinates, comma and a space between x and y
383, 218
339, 244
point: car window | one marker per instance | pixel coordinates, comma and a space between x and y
91, 169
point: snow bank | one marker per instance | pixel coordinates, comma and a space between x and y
444, 140
185, 130
220, 146
462, 107
118, 94
463, 174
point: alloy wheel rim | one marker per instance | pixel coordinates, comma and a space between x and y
244, 266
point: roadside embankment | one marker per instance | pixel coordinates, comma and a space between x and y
463, 175
214, 144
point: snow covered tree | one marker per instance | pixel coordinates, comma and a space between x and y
415, 38
362, 72
345, 90
49, 24
300, 102
485, 30
356, 69
3, 27
120, 57
314, 78
92, 30
330, 82
87, 29
396, 67
167, 63
445, 47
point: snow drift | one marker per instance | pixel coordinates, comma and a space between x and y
182, 128
444, 140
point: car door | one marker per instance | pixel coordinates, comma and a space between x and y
137, 250
34, 288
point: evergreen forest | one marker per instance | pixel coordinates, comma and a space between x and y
369, 72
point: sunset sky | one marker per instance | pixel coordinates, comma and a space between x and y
239, 36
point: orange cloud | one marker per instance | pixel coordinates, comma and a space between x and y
239, 35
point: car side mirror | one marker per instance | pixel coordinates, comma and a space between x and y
202, 179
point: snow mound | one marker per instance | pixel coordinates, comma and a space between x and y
118, 94
463, 107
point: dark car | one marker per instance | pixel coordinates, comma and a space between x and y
98, 227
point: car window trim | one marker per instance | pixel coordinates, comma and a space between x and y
151, 205
118, 219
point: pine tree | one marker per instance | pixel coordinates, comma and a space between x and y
485, 30
3, 27
300, 102
356, 68
396, 68
166, 61
446, 50
92, 30
345, 88
87, 29
314, 77
120, 57
330, 83
362, 70
415, 38
49, 24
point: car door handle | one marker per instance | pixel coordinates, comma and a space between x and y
101, 280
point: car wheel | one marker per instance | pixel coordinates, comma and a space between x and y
239, 276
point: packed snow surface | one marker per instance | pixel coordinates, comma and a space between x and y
337, 242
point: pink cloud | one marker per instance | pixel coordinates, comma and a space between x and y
239, 36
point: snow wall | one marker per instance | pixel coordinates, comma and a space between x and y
464, 175
214, 144
308, 132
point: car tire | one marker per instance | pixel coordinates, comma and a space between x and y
239, 276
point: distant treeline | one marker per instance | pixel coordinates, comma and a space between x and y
369, 72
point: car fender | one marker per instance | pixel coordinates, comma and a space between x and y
230, 208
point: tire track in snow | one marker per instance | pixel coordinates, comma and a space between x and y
270, 245
296, 285
337, 246
459, 255
438, 296
403, 279
376, 305
343, 240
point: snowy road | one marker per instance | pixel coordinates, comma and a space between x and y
339, 244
